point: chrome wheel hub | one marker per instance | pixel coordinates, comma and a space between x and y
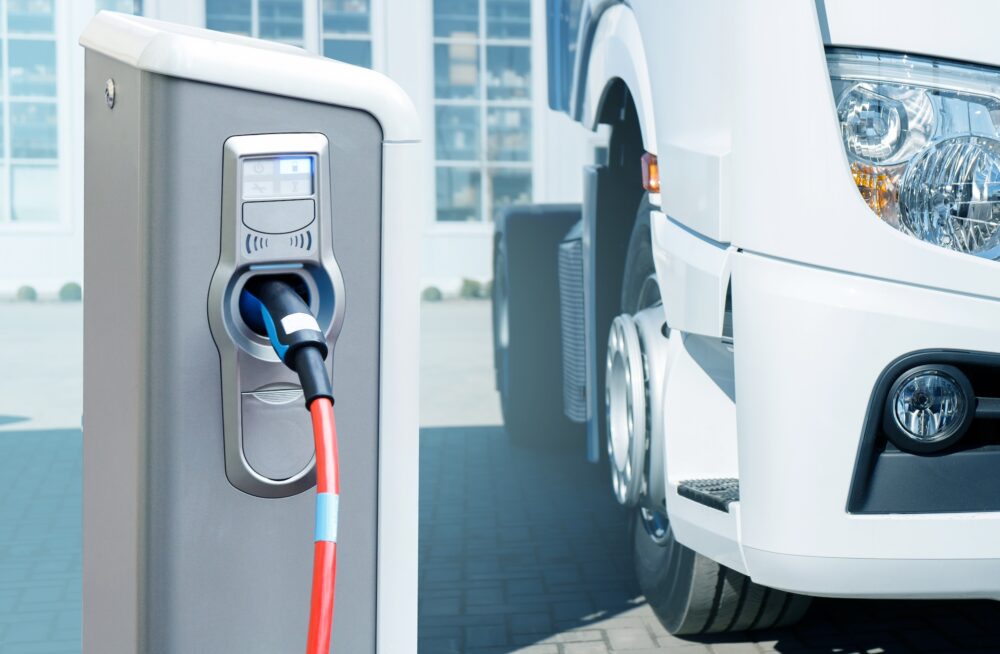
625, 406
638, 351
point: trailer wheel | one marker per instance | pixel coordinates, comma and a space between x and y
526, 323
690, 593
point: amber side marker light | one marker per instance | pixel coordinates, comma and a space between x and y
650, 173
879, 188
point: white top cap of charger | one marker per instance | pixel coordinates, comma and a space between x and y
252, 64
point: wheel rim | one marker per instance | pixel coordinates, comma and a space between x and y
650, 325
654, 520
502, 309
656, 524
501, 330
625, 410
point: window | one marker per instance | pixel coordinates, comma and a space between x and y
482, 98
280, 20
346, 24
235, 16
29, 131
124, 6
277, 20
562, 22
347, 31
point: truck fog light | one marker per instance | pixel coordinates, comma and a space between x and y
929, 408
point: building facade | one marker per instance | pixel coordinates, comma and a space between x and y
474, 68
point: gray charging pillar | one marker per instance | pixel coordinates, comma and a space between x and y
209, 160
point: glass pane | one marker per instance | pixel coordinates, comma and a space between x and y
508, 134
456, 70
508, 72
457, 130
32, 199
355, 52
563, 22
32, 67
33, 131
31, 16
281, 20
508, 187
228, 16
346, 16
458, 193
508, 19
456, 18
124, 6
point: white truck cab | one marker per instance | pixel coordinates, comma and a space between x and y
776, 311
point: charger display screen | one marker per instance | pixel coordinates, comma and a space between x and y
290, 176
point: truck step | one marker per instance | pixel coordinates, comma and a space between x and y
714, 493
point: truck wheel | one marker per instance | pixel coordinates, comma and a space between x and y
526, 323
690, 593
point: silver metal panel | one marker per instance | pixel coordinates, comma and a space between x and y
115, 370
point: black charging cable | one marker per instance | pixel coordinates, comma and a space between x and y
293, 331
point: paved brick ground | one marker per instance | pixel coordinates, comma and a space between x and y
40, 523
523, 550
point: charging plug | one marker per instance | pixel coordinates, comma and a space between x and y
293, 331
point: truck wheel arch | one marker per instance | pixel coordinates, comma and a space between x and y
616, 55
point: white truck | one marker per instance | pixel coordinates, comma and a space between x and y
776, 312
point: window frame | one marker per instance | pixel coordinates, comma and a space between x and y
484, 104
61, 35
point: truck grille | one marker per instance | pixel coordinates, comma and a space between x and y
572, 319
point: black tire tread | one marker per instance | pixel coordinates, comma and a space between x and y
721, 600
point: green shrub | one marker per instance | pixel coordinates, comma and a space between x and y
70, 292
486, 292
27, 294
431, 294
470, 289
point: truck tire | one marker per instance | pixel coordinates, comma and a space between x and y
689, 593
526, 323
692, 594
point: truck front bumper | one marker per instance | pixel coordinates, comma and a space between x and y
810, 346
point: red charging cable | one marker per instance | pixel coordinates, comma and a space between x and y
325, 553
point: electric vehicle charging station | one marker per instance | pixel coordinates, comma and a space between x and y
212, 162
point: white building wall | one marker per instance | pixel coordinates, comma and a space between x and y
46, 256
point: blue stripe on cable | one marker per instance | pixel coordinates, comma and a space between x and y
272, 333
327, 510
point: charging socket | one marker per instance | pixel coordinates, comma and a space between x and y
247, 330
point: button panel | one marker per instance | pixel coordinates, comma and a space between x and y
289, 176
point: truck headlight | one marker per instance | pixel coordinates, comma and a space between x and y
923, 141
